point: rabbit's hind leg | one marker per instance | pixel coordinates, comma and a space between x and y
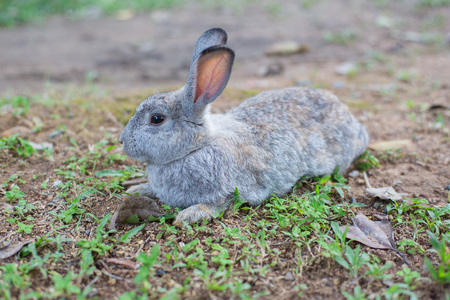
198, 212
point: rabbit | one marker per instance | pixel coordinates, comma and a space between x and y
196, 160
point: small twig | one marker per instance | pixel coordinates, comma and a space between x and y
112, 275
133, 182
277, 244
4, 239
92, 281
402, 256
366, 179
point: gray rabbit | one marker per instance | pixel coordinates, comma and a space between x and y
195, 159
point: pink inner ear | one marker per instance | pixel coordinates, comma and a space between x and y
212, 73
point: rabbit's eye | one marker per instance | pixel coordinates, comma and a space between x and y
157, 119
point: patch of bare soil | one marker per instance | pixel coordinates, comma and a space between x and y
398, 87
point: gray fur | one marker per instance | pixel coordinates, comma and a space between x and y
262, 147
211, 37
193, 110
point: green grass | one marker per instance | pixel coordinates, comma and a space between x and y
222, 257
301, 219
15, 12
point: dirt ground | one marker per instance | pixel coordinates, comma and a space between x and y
398, 86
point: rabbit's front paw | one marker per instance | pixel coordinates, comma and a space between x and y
141, 189
193, 214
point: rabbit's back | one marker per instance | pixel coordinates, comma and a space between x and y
302, 132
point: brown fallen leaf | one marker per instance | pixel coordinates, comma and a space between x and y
368, 233
377, 235
438, 106
21, 130
380, 216
6, 206
286, 48
387, 193
385, 145
124, 262
125, 14
137, 207
386, 226
11, 249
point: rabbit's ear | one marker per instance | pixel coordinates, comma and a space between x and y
208, 77
211, 37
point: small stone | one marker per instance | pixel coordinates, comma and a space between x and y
286, 48
447, 188
338, 85
160, 272
354, 173
289, 276
377, 204
346, 68
304, 83
55, 134
112, 281
388, 282
56, 201
56, 183
360, 181
325, 281
353, 200
270, 69
41, 146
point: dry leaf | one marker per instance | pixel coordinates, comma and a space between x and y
21, 130
286, 48
6, 206
11, 249
370, 233
386, 145
386, 226
125, 14
385, 193
124, 262
140, 206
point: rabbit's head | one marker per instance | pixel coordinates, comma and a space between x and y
168, 126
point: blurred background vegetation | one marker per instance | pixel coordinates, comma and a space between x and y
16, 12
